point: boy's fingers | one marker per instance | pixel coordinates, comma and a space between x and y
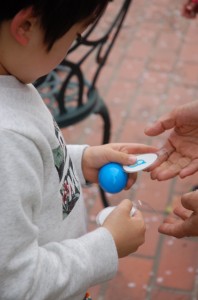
121, 157
131, 180
138, 214
126, 205
127, 154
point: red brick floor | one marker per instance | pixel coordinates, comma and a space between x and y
152, 68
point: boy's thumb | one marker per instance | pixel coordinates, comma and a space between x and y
122, 157
126, 205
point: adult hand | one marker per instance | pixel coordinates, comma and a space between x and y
187, 225
190, 9
96, 156
179, 155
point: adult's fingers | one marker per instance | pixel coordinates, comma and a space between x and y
182, 213
175, 229
190, 169
190, 201
170, 168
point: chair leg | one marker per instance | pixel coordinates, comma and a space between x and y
103, 197
102, 110
107, 125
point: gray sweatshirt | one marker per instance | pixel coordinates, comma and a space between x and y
45, 252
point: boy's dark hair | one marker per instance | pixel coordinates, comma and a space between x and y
56, 16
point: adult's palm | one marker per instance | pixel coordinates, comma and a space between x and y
179, 154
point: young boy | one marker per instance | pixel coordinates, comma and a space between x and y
45, 252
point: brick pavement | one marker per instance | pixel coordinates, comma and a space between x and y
152, 68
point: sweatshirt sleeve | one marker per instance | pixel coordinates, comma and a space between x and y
56, 270
76, 154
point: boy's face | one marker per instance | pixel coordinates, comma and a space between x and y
42, 61
25, 55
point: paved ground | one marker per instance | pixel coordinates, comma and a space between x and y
152, 68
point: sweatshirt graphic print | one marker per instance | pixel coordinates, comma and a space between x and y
69, 184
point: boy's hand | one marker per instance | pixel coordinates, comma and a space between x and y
96, 156
128, 232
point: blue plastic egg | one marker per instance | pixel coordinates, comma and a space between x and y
112, 178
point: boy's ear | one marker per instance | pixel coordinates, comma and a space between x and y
21, 26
